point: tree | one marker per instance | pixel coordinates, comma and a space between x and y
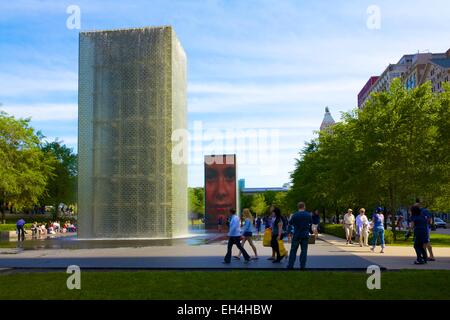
25, 169
394, 150
196, 201
61, 187
280, 201
259, 205
245, 200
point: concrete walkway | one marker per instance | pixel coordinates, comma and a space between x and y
322, 256
394, 257
329, 253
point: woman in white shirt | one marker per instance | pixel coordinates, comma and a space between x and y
362, 227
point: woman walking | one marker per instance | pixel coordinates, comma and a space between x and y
277, 234
419, 224
378, 229
247, 232
362, 227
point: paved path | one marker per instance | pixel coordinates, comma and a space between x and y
394, 257
329, 254
322, 255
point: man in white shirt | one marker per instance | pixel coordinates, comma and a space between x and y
349, 222
234, 238
362, 227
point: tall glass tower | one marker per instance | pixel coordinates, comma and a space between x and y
132, 96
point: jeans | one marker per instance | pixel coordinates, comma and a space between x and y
419, 240
303, 243
21, 233
235, 241
376, 232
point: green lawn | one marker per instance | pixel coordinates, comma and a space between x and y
12, 226
218, 285
437, 240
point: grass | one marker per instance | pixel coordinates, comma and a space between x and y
438, 240
220, 285
12, 227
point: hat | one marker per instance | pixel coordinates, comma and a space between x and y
379, 209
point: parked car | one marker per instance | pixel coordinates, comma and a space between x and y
439, 223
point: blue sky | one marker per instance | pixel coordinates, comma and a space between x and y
254, 67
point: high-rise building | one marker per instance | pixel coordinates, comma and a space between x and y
132, 96
414, 70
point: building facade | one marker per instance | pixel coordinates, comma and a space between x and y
132, 96
413, 70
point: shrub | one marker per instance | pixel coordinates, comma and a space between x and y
337, 230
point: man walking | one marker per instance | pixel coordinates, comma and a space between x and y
234, 237
349, 222
301, 221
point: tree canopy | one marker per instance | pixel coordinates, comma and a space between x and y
394, 150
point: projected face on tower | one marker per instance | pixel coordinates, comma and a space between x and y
220, 187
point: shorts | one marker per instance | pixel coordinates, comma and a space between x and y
248, 234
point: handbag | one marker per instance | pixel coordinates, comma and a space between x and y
282, 248
267, 237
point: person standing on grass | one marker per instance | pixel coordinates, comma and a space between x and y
429, 218
301, 221
378, 229
349, 222
419, 223
234, 237
20, 229
247, 233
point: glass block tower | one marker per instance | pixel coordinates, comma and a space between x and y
132, 96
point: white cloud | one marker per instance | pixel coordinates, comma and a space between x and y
28, 81
43, 112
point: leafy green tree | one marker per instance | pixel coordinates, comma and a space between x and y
245, 201
62, 185
25, 168
259, 205
196, 201
394, 150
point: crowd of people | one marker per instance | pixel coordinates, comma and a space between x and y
43, 229
419, 223
302, 225
298, 228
